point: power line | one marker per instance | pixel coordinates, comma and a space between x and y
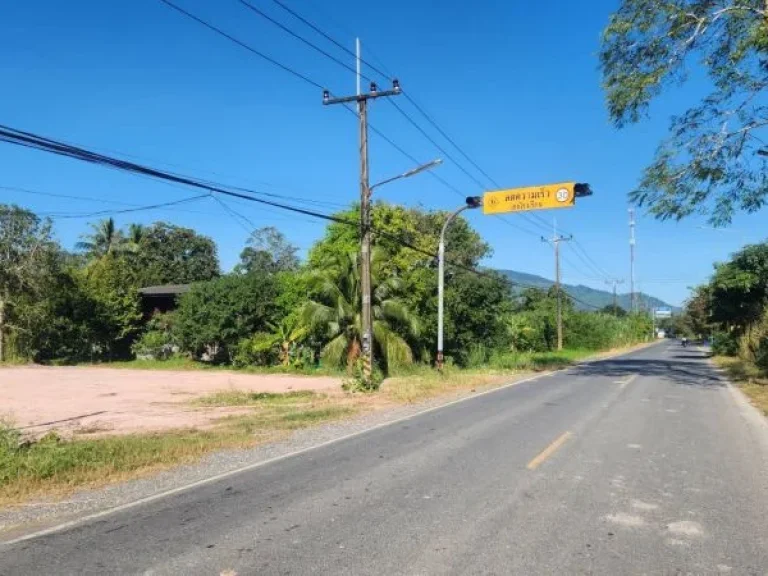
87, 199
436, 145
599, 269
300, 38
330, 38
126, 210
36, 142
244, 45
317, 85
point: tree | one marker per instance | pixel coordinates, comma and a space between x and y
169, 254
477, 308
134, 236
333, 311
739, 288
268, 250
110, 283
617, 310
215, 315
103, 239
26, 255
397, 230
709, 163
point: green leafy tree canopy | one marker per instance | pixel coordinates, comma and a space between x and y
169, 254
709, 163
268, 250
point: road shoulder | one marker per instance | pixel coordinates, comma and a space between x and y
40, 516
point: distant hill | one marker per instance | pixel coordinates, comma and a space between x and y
590, 296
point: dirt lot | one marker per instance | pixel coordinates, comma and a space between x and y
106, 400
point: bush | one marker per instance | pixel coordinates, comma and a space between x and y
725, 344
214, 317
154, 345
158, 342
261, 349
355, 382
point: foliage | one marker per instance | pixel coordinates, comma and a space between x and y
709, 162
476, 308
613, 310
734, 305
213, 317
110, 283
157, 342
168, 254
27, 257
725, 344
267, 250
103, 239
332, 311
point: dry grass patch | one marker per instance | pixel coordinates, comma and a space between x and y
749, 378
55, 466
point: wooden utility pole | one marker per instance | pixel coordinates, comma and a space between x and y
555, 240
365, 209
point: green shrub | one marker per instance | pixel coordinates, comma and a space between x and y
725, 344
261, 349
355, 381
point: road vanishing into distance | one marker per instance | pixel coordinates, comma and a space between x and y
647, 463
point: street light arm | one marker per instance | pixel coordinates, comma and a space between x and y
450, 219
409, 173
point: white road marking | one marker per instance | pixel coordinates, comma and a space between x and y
685, 528
640, 505
627, 520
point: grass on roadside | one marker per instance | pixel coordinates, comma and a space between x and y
421, 382
749, 378
55, 466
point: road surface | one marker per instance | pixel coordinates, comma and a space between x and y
642, 464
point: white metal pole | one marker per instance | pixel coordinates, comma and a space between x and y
441, 283
440, 288
357, 63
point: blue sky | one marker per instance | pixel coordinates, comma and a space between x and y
516, 84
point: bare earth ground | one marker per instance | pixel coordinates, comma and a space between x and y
84, 400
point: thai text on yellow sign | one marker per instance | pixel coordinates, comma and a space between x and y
530, 198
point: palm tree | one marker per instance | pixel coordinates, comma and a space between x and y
104, 239
286, 333
335, 311
135, 233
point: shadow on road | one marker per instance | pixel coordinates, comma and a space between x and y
683, 368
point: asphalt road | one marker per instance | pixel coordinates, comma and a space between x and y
642, 464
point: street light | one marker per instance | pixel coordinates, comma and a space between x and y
409, 173
471, 202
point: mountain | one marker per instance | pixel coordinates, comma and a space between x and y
589, 296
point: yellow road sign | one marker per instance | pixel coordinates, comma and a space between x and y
544, 197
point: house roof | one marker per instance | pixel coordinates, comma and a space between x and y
164, 290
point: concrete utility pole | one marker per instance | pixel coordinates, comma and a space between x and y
365, 207
555, 240
615, 282
632, 298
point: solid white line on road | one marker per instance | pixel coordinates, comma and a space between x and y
255, 465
